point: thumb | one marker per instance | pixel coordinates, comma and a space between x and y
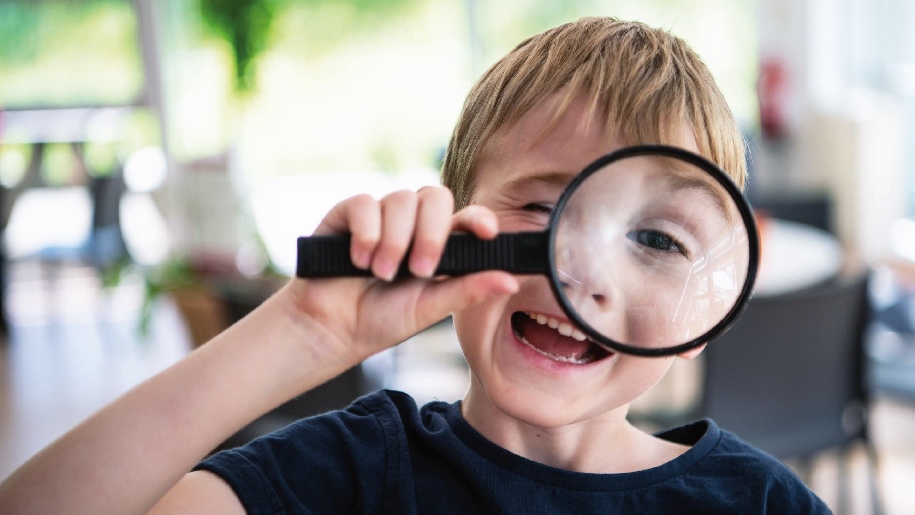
440, 298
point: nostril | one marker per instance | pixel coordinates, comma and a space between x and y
599, 298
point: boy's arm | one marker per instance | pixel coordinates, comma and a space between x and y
127, 456
199, 492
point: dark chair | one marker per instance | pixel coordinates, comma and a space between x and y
814, 209
790, 378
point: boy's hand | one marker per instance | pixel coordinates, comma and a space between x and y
363, 316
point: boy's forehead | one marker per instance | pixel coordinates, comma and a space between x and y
552, 124
564, 116
556, 139
559, 114
547, 146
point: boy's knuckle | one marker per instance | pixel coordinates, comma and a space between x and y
402, 197
366, 238
363, 200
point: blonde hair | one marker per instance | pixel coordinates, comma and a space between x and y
645, 82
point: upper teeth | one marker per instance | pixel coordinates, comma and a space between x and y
563, 328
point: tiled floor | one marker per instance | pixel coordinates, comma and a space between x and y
73, 347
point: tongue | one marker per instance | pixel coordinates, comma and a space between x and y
549, 340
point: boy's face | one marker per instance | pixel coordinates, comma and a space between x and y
521, 367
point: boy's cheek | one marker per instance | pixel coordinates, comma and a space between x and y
481, 326
477, 325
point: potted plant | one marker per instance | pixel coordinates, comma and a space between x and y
209, 291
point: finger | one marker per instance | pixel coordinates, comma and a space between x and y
433, 224
398, 219
476, 219
441, 298
359, 216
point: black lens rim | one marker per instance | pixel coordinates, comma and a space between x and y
721, 178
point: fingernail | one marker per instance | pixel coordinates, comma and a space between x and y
385, 269
423, 267
362, 260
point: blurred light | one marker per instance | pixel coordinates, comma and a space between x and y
145, 170
251, 259
285, 208
901, 78
48, 217
145, 230
902, 238
13, 164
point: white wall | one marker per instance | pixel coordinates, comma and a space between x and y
844, 141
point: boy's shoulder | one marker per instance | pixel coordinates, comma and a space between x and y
724, 452
727, 466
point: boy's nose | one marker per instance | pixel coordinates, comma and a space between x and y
600, 299
590, 294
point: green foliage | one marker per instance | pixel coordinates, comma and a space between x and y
26, 25
18, 31
68, 52
245, 25
112, 274
171, 275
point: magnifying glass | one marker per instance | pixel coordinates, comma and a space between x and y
651, 250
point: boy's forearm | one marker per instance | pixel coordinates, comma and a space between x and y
129, 454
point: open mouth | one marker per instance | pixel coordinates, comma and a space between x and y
556, 339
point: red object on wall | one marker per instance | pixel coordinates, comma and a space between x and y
773, 92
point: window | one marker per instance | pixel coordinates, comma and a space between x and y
68, 54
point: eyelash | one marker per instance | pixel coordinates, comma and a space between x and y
539, 208
680, 248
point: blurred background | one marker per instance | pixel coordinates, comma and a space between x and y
159, 158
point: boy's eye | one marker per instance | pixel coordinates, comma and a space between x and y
658, 241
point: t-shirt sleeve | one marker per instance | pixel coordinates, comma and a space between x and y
321, 464
771, 486
732, 476
788, 494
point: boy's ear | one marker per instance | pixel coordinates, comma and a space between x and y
692, 353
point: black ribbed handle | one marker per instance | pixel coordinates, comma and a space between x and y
520, 253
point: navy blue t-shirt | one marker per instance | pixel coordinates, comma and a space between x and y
382, 454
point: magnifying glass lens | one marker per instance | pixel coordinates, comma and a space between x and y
650, 251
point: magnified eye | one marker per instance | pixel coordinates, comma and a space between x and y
658, 241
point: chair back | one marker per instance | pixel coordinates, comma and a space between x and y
106, 240
809, 209
789, 376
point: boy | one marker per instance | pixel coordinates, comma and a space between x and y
543, 425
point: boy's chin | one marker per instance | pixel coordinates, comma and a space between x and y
551, 409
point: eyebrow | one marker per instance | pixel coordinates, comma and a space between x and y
680, 181
551, 178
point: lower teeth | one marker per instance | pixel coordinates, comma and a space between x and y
584, 359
